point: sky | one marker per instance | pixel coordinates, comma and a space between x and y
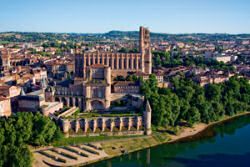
99, 16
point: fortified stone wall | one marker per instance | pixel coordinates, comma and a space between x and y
104, 124
84, 126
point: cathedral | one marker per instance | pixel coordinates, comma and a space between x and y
120, 63
91, 88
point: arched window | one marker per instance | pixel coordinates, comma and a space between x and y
120, 63
110, 62
135, 63
115, 61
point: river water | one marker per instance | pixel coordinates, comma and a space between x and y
224, 145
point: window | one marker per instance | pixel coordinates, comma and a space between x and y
110, 62
115, 65
135, 63
120, 63
130, 62
125, 63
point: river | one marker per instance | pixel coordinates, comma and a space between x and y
225, 144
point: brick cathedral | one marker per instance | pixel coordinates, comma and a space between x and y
120, 63
91, 89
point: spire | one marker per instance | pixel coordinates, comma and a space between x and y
22, 92
43, 84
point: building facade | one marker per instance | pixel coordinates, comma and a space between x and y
91, 88
120, 63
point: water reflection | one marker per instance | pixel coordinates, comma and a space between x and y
225, 159
226, 144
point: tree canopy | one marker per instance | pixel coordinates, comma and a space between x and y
190, 102
19, 131
164, 59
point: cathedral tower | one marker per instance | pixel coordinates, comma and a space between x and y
78, 64
145, 50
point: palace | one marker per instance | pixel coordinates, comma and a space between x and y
92, 86
92, 90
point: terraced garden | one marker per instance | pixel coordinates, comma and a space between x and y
69, 155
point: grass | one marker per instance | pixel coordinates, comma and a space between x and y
52, 156
90, 150
84, 155
55, 150
90, 115
69, 155
134, 144
61, 160
47, 154
63, 110
94, 146
72, 149
86, 139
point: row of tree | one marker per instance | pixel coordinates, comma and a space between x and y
128, 78
19, 131
190, 102
125, 50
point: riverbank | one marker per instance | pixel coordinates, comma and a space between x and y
117, 147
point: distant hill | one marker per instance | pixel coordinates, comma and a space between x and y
134, 35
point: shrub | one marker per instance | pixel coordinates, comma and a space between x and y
69, 155
72, 149
90, 150
84, 155
94, 146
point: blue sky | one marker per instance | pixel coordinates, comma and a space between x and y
91, 16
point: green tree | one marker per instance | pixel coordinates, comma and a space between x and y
193, 116
213, 92
43, 130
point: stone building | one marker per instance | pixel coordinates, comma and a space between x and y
90, 94
91, 88
124, 125
11, 93
35, 101
5, 107
120, 63
4, 60
126, 87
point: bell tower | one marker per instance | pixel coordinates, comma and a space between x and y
145, 50
78, 63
